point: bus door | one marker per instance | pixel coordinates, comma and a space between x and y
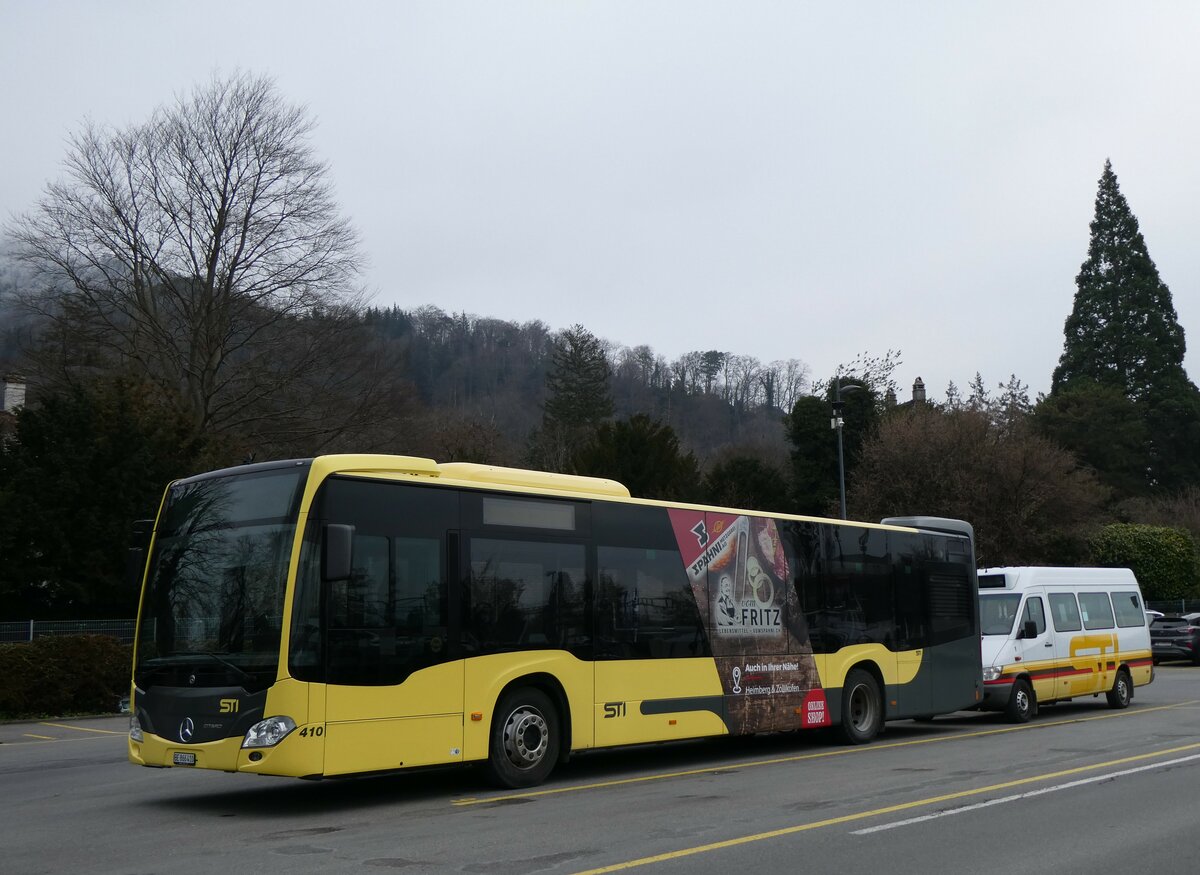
1074, 671
1035, 648
394, 682
526, 614
1095, 652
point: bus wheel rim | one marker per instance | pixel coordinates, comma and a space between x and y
526, 737
862, 708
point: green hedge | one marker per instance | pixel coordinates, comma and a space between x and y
63, 674
1163, 559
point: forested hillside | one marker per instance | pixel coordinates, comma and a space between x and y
485, 380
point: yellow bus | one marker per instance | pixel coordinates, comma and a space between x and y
353, 614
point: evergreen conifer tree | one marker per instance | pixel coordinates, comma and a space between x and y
1123, 330
578, 399
1123, 334
577, 383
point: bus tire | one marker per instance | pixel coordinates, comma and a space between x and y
525, 739
1122, 692
1021, 704
862, 707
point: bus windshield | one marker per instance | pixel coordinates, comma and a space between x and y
997, 612
212, 611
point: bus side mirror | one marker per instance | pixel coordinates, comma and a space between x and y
1030, 630
337, 552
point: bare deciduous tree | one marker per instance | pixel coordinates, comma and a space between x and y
204, 252
1029, 501
791, 378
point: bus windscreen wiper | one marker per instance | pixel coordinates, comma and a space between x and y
241, 672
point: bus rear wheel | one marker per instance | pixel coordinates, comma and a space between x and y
1122, 692
862, 707
525, 739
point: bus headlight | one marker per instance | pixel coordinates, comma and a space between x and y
135, 729
269, 732
991, 673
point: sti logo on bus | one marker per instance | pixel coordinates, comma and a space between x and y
614, 709
229, 706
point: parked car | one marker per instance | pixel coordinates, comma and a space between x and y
1176, 638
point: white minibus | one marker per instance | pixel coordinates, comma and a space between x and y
1052, 634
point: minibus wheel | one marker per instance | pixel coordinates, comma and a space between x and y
525, 739
1021, 705
1122, 692
862, 707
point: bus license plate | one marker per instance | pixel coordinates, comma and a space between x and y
183, 759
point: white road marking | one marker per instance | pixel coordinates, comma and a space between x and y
1015, 798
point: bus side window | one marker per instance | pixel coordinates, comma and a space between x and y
802, 544
358, 615
390, 618
645, 606
1128, 608
304, 658
1064, 612
912, 633
1097, 610
527, 594
816, 612
1034, 613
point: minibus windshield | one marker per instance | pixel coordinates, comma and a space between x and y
997, 612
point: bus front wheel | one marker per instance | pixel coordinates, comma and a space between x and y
525, 739
862, 707
1021, 705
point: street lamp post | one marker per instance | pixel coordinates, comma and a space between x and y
836, 424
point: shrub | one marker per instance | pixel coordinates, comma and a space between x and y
66, 674
1164, 559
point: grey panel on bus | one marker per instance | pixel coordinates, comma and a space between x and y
933, 524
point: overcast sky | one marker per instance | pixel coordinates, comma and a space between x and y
782, 180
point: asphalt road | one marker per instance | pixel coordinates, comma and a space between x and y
1082, 788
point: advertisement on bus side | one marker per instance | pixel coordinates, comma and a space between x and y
739, 576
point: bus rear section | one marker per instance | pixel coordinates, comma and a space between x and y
1054, 634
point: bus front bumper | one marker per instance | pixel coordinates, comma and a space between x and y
996, 694
294, 756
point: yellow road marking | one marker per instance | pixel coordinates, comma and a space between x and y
43, 737
708, 770
890, 809
82, 729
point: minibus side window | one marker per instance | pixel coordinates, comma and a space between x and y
1097, 610
1065, 612
1129, 609
1033, 611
